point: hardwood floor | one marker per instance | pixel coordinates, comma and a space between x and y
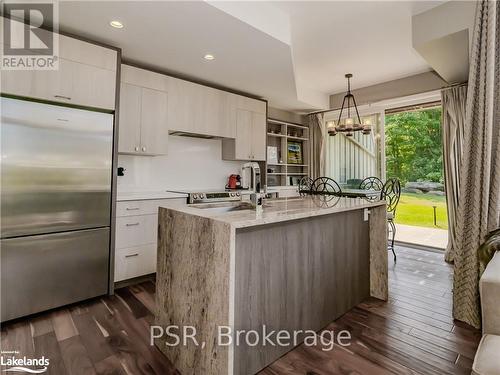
413, 333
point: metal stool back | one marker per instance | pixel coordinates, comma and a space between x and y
305, 186
391, 192
371, 183
326, 186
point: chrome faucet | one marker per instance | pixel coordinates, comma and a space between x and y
255, 183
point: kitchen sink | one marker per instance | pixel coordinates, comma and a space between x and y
224, 206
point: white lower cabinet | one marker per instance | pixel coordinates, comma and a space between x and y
136, 236
135, 261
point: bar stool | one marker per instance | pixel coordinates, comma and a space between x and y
391, 192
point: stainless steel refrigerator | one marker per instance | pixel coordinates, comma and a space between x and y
56, 173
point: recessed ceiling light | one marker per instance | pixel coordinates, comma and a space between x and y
116, 24
209, 57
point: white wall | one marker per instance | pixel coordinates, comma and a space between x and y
191, 163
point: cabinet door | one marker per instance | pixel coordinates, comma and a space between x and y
54, 85
154, 126
93, 86
243, 141
258, 136
129, 136
72, 83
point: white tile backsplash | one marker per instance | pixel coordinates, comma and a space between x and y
191, 163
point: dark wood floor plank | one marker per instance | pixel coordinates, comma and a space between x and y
312, 360
145, 297
75, 357
399, 290
110, 366
394, 336
389, 309
46, 345
138, 309
405, 355
92, 337
63, 324
424, 311
444, 307
17, 337
41, 325
138, 329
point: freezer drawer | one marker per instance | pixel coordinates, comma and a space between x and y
47, 271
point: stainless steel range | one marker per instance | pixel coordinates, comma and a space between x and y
197, 196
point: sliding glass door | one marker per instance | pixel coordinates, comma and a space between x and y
351, 159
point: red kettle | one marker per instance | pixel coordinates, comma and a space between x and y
234, 182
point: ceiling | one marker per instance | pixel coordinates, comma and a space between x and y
371, 39
294, 56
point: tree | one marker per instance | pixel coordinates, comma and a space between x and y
414, 145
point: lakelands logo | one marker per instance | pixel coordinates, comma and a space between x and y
30, 39
10, 363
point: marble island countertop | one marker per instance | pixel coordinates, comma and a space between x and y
242, 215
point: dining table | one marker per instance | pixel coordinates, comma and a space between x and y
360, 193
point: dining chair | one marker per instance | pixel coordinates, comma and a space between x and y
391, 192
326, 186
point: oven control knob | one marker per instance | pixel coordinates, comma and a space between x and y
195, 196
202, 196
238, 194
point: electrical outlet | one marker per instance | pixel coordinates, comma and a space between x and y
366, 214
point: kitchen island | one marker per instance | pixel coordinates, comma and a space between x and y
296, 266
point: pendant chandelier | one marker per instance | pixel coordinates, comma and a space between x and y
351, 124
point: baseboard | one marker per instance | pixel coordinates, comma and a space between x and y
135, 280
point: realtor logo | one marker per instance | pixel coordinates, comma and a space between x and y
30, 38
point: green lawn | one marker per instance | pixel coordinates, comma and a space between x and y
416, 209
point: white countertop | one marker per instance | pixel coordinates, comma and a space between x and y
278, 210
142, 195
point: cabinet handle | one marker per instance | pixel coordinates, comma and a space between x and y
143, 148
132, 208
62, 97
132, 255
136, 148
131, 224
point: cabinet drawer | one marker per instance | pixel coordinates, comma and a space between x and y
136, 230
135, 261
145, 207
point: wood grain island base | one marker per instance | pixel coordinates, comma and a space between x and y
297, 266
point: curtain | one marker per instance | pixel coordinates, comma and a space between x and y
479, 202
453, 122
317, 145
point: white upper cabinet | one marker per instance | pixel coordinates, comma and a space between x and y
129, 136
154, 130
200, 109
143, 120
86, 76
250, 141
